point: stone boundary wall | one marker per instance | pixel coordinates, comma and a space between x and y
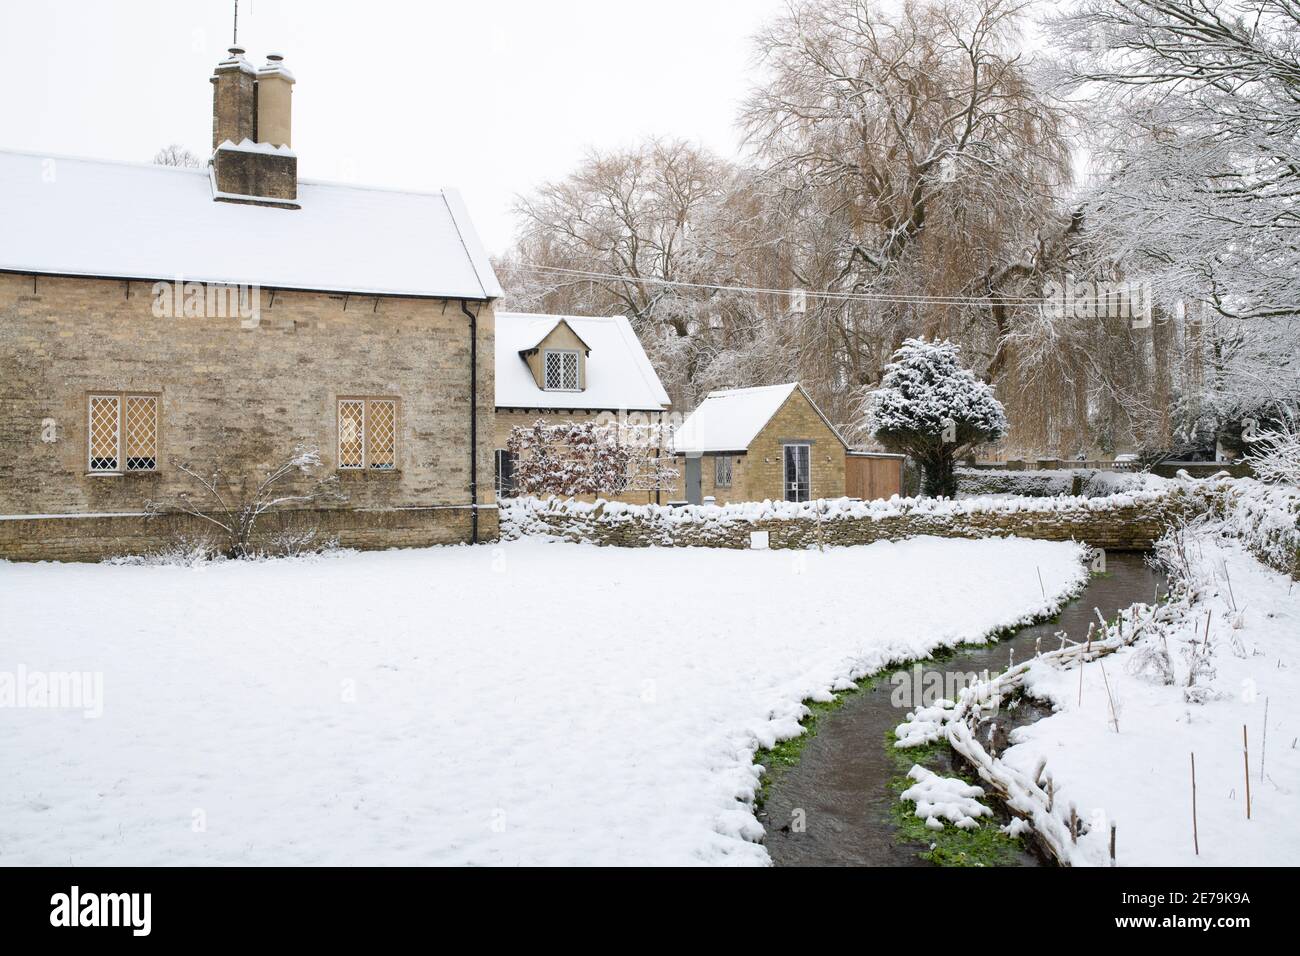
96, 537
1120, 522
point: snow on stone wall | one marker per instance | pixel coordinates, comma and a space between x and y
1120, 521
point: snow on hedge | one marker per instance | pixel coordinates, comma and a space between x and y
522, 703
1266, 518
1095, 482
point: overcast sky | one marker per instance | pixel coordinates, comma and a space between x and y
488, 97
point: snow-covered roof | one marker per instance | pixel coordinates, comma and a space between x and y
82, 217
730, 419
544, 326
618, 375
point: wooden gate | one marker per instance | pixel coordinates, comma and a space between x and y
868, 475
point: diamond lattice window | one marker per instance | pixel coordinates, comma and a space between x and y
105, 432
722, 471
381, 420
368, 433
122, 433
352, 423
141, 418
562, 371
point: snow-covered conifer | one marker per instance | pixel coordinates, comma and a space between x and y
930, 407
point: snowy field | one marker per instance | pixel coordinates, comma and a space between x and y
528, 703
1139, 776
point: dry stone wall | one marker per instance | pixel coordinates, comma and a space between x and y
1120, 522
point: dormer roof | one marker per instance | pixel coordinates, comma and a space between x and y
618, 374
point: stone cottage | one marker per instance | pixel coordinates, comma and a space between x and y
569, 368
219, 319
759, 444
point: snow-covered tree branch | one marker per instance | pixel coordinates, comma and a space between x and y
234, 508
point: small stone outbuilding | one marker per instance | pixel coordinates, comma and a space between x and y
759, 444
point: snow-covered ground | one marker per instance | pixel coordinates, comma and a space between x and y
1140, 777
521, 704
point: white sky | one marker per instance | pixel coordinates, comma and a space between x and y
490, 98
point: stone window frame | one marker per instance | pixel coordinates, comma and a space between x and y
724, 471
366, 466
561, 354
122, 463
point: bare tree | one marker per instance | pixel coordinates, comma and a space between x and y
657, 233
911, 173
236, 514
920, 140
1275, 454
1193, 107
176, 155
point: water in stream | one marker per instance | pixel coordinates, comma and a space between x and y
841, 782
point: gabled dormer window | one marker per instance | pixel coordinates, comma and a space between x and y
561, 370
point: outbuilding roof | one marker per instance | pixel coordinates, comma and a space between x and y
98, 218
730, 419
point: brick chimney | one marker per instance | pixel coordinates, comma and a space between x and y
274, 102
252, 161
234, 99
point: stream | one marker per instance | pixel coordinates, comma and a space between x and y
841, 781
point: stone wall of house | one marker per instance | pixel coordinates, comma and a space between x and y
709, 487
796, 420
109, 536
1124, 524
231, 396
